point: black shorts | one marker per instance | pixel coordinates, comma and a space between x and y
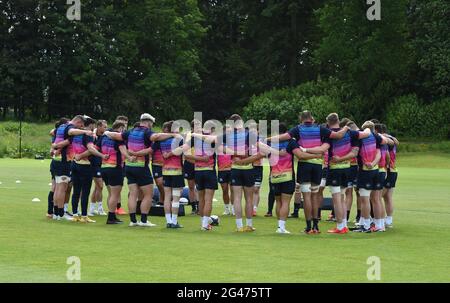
61, 168
224, 176
309, 173
353, 178
287, 188
242, 177
138, 175
188, 170
381, 179
113, 176
391, 180
258, 171
96, 171
324, 172
367, 179
52, 169
157, 171
206, 179
338, 177
176, 181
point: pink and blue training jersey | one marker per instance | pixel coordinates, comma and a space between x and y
282, 166
61, 134
172, 166
110, 147
79, 146
310, 135
342, 147
138, 139
368, 150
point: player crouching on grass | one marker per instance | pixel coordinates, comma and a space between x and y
112, 168
282, 183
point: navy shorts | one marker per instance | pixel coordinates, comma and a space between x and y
391, 180
324, 172
287, 188
138, 175
52, 169
381, 179
309, 173
224, 176
206, 179
258, 171
173, 181
338, 177
157, 171
353, 178
367, 179
61, 168
113, 176
188, 170
96, 171
242, 177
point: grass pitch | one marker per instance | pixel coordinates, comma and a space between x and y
35, 249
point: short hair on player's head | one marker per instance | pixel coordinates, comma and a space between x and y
351, 124
332, 118
167, 126
374, 121
122, 118
118, 124
137, 124
89, 121
368, 124
235, 117
79, 117
61, 121
384, 129
378, 128
344, 122
306, 115
283, 128
101, 122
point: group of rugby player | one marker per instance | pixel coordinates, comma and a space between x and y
336, 154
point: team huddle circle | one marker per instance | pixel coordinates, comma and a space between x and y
185, 164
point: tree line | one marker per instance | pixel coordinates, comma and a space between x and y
173, 57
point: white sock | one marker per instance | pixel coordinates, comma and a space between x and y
255, 208
169, 218
361, 221
366, 223
239, 223
174, 218
377, 223
249, 222
100, 205
382, 224
344, 222
389, 220
93, 204
66, 207
282, 224
339, 225
205, 221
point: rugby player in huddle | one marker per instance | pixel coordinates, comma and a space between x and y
337, 155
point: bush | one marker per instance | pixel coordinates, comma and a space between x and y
320, 97
408, 116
